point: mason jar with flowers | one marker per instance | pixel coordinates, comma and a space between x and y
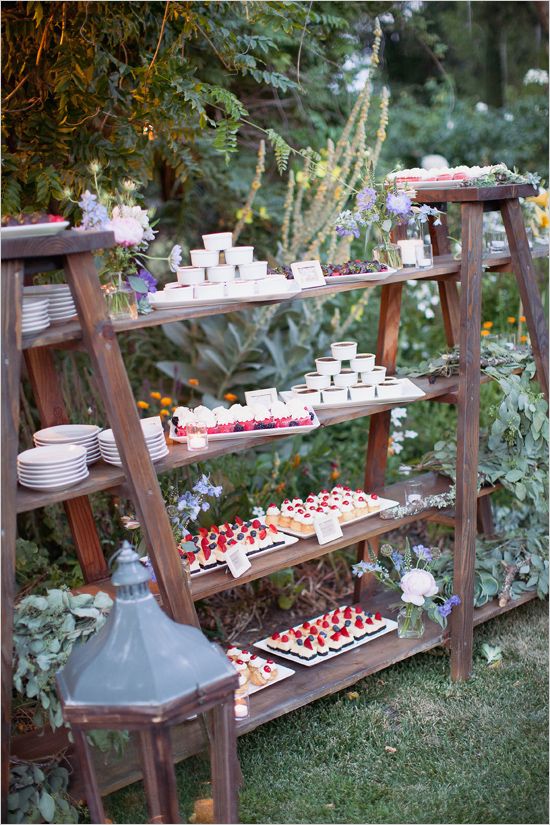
410, 573
126, 281
379, 209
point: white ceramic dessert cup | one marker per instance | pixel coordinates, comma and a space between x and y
204, 257
362, 392
220, 274
239, 289
345, 378
363, 362
328, 366
388, 388
335, 395
218, 242
172, 296
209, 291
188, 275
299, 388
271, 286
314, 381
253, 271
238, 255
375, 376
309, 396
344, 350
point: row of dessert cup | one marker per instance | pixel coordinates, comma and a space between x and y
334, 384
208, 290
205, 263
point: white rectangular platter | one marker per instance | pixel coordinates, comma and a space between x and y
409, 392
289, 539
282, 673
182, 439
365, 276
390, 626
433, 184
33, 230
385, 504
189, 303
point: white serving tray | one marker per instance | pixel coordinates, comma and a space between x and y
432, 184
182, 439
208, 302
365, 276
410, 392
385, 504
289, 540
283, 673
390, 626
32, 230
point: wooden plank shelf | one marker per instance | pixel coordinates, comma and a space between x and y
445, 267
305, 686
105, 476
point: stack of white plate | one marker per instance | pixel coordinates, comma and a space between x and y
61, 305
52, 468
154, 438
83, 434
35, 315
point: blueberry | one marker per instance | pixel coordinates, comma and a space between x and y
239, 428
311, 415
253, 533
293, 424
240, 536
258, 426
299, 642
347, 623
270, 426
175, 420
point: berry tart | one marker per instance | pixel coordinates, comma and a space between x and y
241, 419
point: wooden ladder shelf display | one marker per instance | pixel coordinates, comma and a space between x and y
137, 478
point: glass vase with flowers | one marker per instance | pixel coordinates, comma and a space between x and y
410, 573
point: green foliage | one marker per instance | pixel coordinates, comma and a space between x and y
39, 793
44, 632
281, 149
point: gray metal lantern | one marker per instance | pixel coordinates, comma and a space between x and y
145, 672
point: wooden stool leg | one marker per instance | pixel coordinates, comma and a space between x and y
12, 297
467, 439
522, 264
159, 777
448, 290
379, 429
112, 379
224, 764
49, 400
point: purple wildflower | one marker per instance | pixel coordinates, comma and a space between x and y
422, 552
399, 204
94, 214
343, 231
149, 279
398, 561
366, 199
447, 606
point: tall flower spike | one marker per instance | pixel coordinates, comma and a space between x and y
254, 186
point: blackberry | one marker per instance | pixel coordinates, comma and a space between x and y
258, 426
293, 424
238, 428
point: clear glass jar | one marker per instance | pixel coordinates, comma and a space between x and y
197, 435
242, 700
121, 300
389, 254
424, 254
410, 623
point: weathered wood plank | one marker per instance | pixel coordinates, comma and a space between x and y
67, 242
48, 397
224, 764
475, 193
158, 776
112, 380
11, 293
522, 263
467, 439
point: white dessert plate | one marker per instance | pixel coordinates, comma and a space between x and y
282, 673
64, 433
30, 330
53, 477
365, 276
432, 184
385, 504
118, 462
59, 485
59, 455
32, 230
35, 311
409, 392
390, 626
208, 302
275, 431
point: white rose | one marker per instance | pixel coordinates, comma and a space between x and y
417, 585
128, 231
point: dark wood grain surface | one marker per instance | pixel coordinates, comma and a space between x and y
12, 294
467, 438
474, 193
67, 242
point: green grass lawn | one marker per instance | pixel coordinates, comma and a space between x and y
471, 752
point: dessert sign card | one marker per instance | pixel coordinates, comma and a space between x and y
266, 397
308, 273
327, 527
237, 561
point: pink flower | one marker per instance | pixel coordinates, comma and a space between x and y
128, 231
417, 585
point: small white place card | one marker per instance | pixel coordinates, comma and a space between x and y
264, 397
237, 561
308, 274
327, 527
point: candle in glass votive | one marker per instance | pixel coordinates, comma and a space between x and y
197, 436
408, 250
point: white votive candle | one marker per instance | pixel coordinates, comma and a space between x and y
408, 250
197, 436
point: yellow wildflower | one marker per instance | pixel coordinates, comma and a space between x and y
194, 382
335, 474
174, 409
156, 395
522, 318
280, 487
165, 412
255, 185
523, 339
485, 332
263, 213
511, 319
143, 405
541, 199
544, 221
296, 460
166, 401
487, 324
230, 396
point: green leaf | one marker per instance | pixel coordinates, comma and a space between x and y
138, 284
46, 806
